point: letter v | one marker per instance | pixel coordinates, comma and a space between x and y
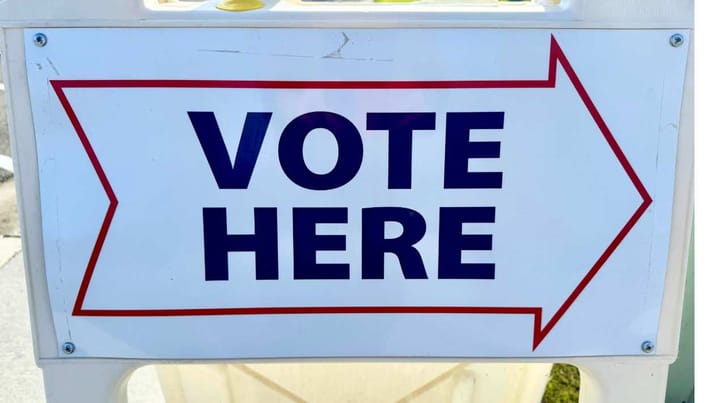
227, 175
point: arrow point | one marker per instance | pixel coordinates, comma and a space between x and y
558, 57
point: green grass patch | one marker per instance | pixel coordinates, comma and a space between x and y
563, 386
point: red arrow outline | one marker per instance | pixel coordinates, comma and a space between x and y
539, 332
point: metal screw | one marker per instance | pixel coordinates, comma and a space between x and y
676, 40
40, 40
647, 347
68, 348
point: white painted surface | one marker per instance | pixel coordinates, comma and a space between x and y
564, 197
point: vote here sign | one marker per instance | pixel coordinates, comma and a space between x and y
360, 193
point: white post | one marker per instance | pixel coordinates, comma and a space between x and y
637, 382
92, 381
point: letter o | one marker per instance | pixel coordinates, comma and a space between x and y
350, 150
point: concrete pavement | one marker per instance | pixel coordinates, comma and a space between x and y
22, 380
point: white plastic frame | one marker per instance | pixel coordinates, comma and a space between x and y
605, 379
280, 13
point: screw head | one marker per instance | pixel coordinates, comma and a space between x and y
647, 347
40, 40
68, 348
676, 40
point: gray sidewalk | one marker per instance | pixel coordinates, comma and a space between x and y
22, 380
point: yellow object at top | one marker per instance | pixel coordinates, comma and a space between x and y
240, 5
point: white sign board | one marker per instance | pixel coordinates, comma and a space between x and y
233, 193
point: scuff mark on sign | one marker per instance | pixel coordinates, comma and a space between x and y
52, 65
333, 55
241, 52
336, 53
